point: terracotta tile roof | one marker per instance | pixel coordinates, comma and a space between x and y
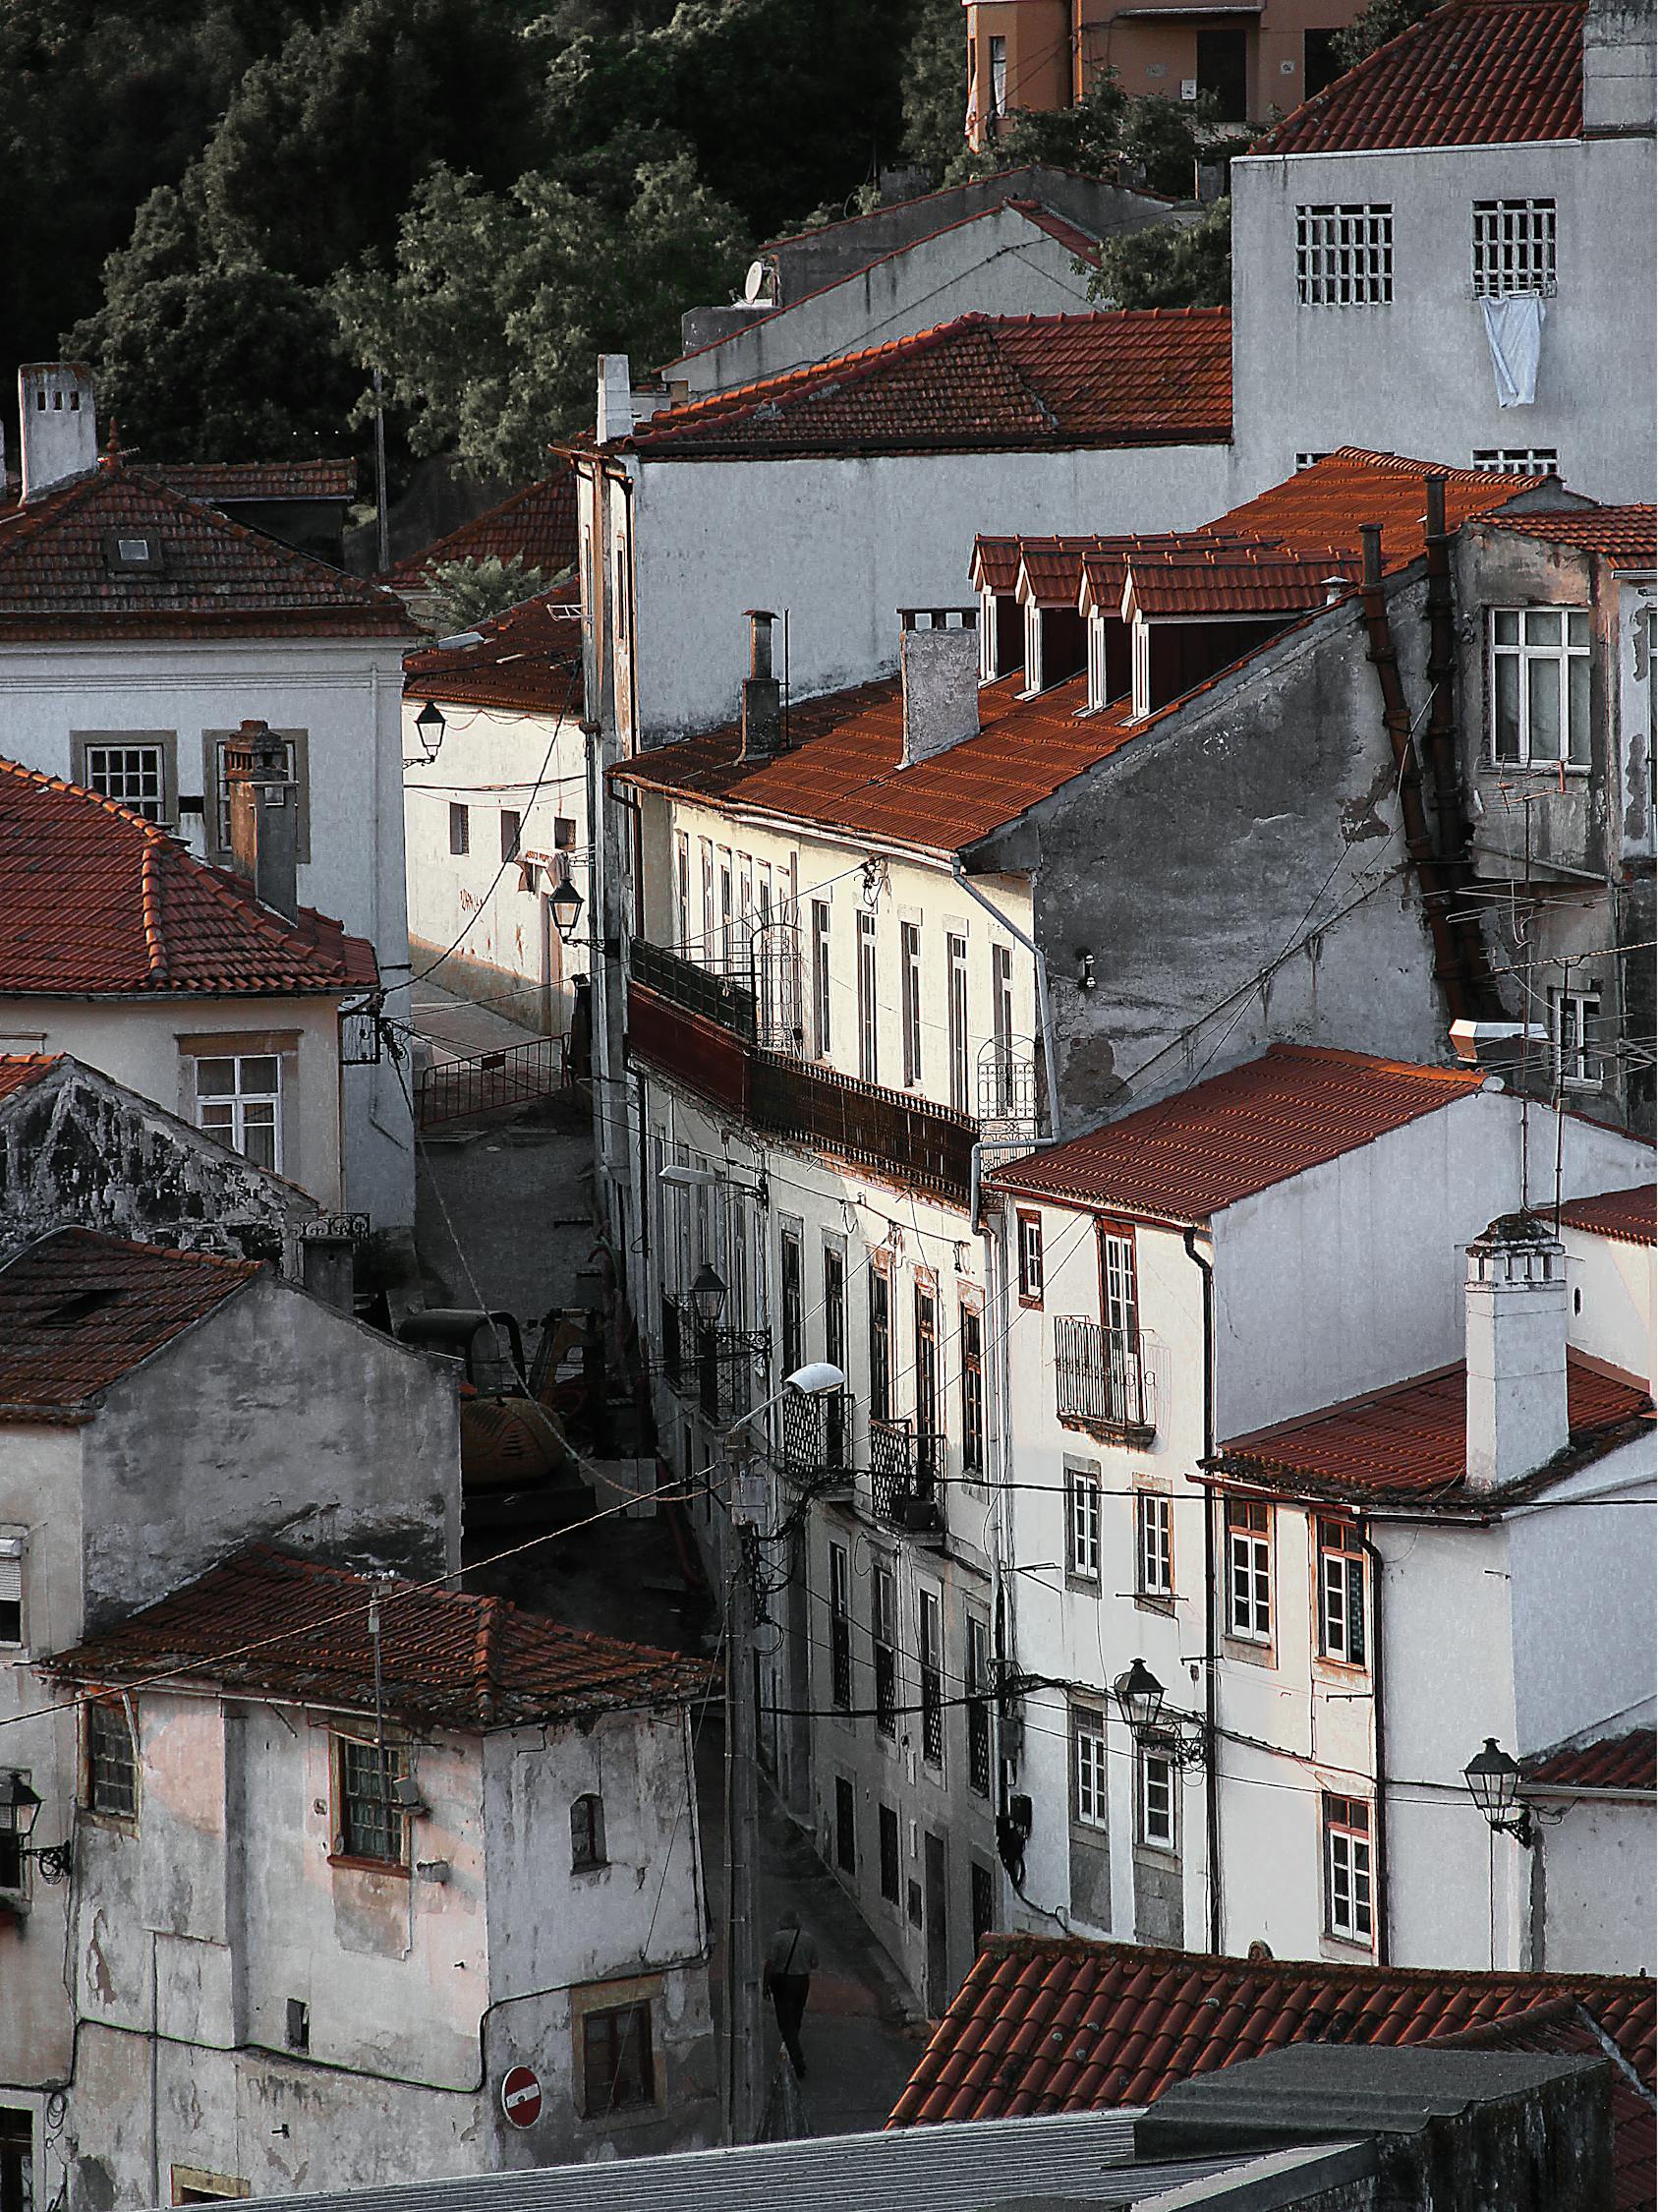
994, 567
1476, 72
537, 526
80, 1309
216, 578
1408, 1441
1631, 1216
221, 482
842, 768
1320, 509
1052, 2025
1066, 234
447, 1660
1229, 580
1141, 376
529, 661
94, 900
17, 1069
1624, 1763
1624, 536
1190, 1156
1050, 569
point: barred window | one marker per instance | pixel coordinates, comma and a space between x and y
1517, 460
112, 1761
1512, 248
368, 1824
135, 776
1345, 255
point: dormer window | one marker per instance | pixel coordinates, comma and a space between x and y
135, 552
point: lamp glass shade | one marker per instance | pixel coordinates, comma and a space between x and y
1494, 1780
19, 1806
816, 1380
1139, 1695
566, 901
707, 1296
429, 726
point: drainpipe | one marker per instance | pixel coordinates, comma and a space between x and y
1013, 929
1212, 1779
1379, 1746
1439, 611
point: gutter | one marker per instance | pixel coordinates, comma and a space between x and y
1378, 1749
1212, 1779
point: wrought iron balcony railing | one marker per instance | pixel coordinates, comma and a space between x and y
1103, 1378
816, 1438
901, 1477
859, 1121
707, 989
717, 1367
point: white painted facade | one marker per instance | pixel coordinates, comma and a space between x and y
340, 699
1414, 375
500, 775
1342, 1279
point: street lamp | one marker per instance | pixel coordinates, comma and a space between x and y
708, 1298
1139, 1698
1494, 1782
429, 726
20, 1808
566, 903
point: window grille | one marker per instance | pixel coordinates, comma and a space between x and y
1512, 248
112, 1761
928, 1641
886, 1655
1517, 460
1345, 255
978, 1686
134, 776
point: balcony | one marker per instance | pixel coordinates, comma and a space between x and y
901, 1475
1103, 1380
816, 1439
715, 1368
724, 999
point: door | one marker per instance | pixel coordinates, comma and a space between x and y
1221, 71
938, 1923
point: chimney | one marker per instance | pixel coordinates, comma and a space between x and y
616, 398
264, 815
762, 711
1516, 1322
325, 1270
1618, 68
60, 433
938, 665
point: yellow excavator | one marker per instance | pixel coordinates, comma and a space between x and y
513, 1417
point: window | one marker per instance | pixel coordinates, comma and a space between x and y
929, 1653
1308, 460
112, 1760
13, 1865
972, 1349
1512, 248
1119, 1304
135, 776
821, 975
847, 1830
1088, 1767
882, 1614
789, 1298
869, 1059
976, 1683
1341, 1593
368, 1825
239, 1100
1345, 255
297, 2027
1517, 460
682, 892
727, 915
982, 1900
1348, 1869
705, 854
957, 983
880, 1346
910, 1000
1573, 1019
11, 1588
1002, 1025
1155, 1574
17, 2160
1158, 1800
1541, 685
836, 1439
509, 834
886, 1833
1250, 1570
999, 75
460, 830
840, 1630
616, 2062
587, 1832
1082, 1521
927, 1383
1029, 1228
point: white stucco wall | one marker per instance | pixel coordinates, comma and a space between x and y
1611, 1287
1415, 375
1598, 1880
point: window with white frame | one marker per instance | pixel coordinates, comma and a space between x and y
13, 1547
1341, 1593
1002, 1027
910, 1000
1029, 1228
956, 1010
1118, 1302
1540, 686
1158, 1800
821, 977
706, 863
1082, 1523
239, 1100
1155, 1555
1512, 248
1345, 255
1250, 1570
1348, 1869
998, 75
682, 892
869, 1054
133, 771
1088, 1767
1517, 460
1574, 1019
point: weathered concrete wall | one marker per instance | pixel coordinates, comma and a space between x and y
277, 1418
76, 1147
1596, 1864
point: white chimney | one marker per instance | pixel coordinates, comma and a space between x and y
938, 668
1515, 1324
616, 398
60, 433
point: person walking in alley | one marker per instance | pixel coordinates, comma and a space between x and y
791, 1963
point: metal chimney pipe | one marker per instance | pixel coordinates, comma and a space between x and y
1371, 545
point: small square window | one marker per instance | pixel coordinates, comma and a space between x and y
133, 551
564, 833
1345, 255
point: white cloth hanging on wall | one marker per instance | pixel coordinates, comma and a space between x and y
1515, 328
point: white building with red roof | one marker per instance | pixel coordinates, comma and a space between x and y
1323, 1455
1452, 243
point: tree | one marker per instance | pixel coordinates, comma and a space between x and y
487, 330
1170, 265
1110, 133
934, 88
470, 591
1376, 24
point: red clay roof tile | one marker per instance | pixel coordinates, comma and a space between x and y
17, 1069
1192, 1155
1629, 1216
94, 900
219, 482
1233, 580
529, 662
214, 578
536, 525
1624, 1763
1056, 2024
1624, 536
80, 1309
1476, 72
446, 1658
